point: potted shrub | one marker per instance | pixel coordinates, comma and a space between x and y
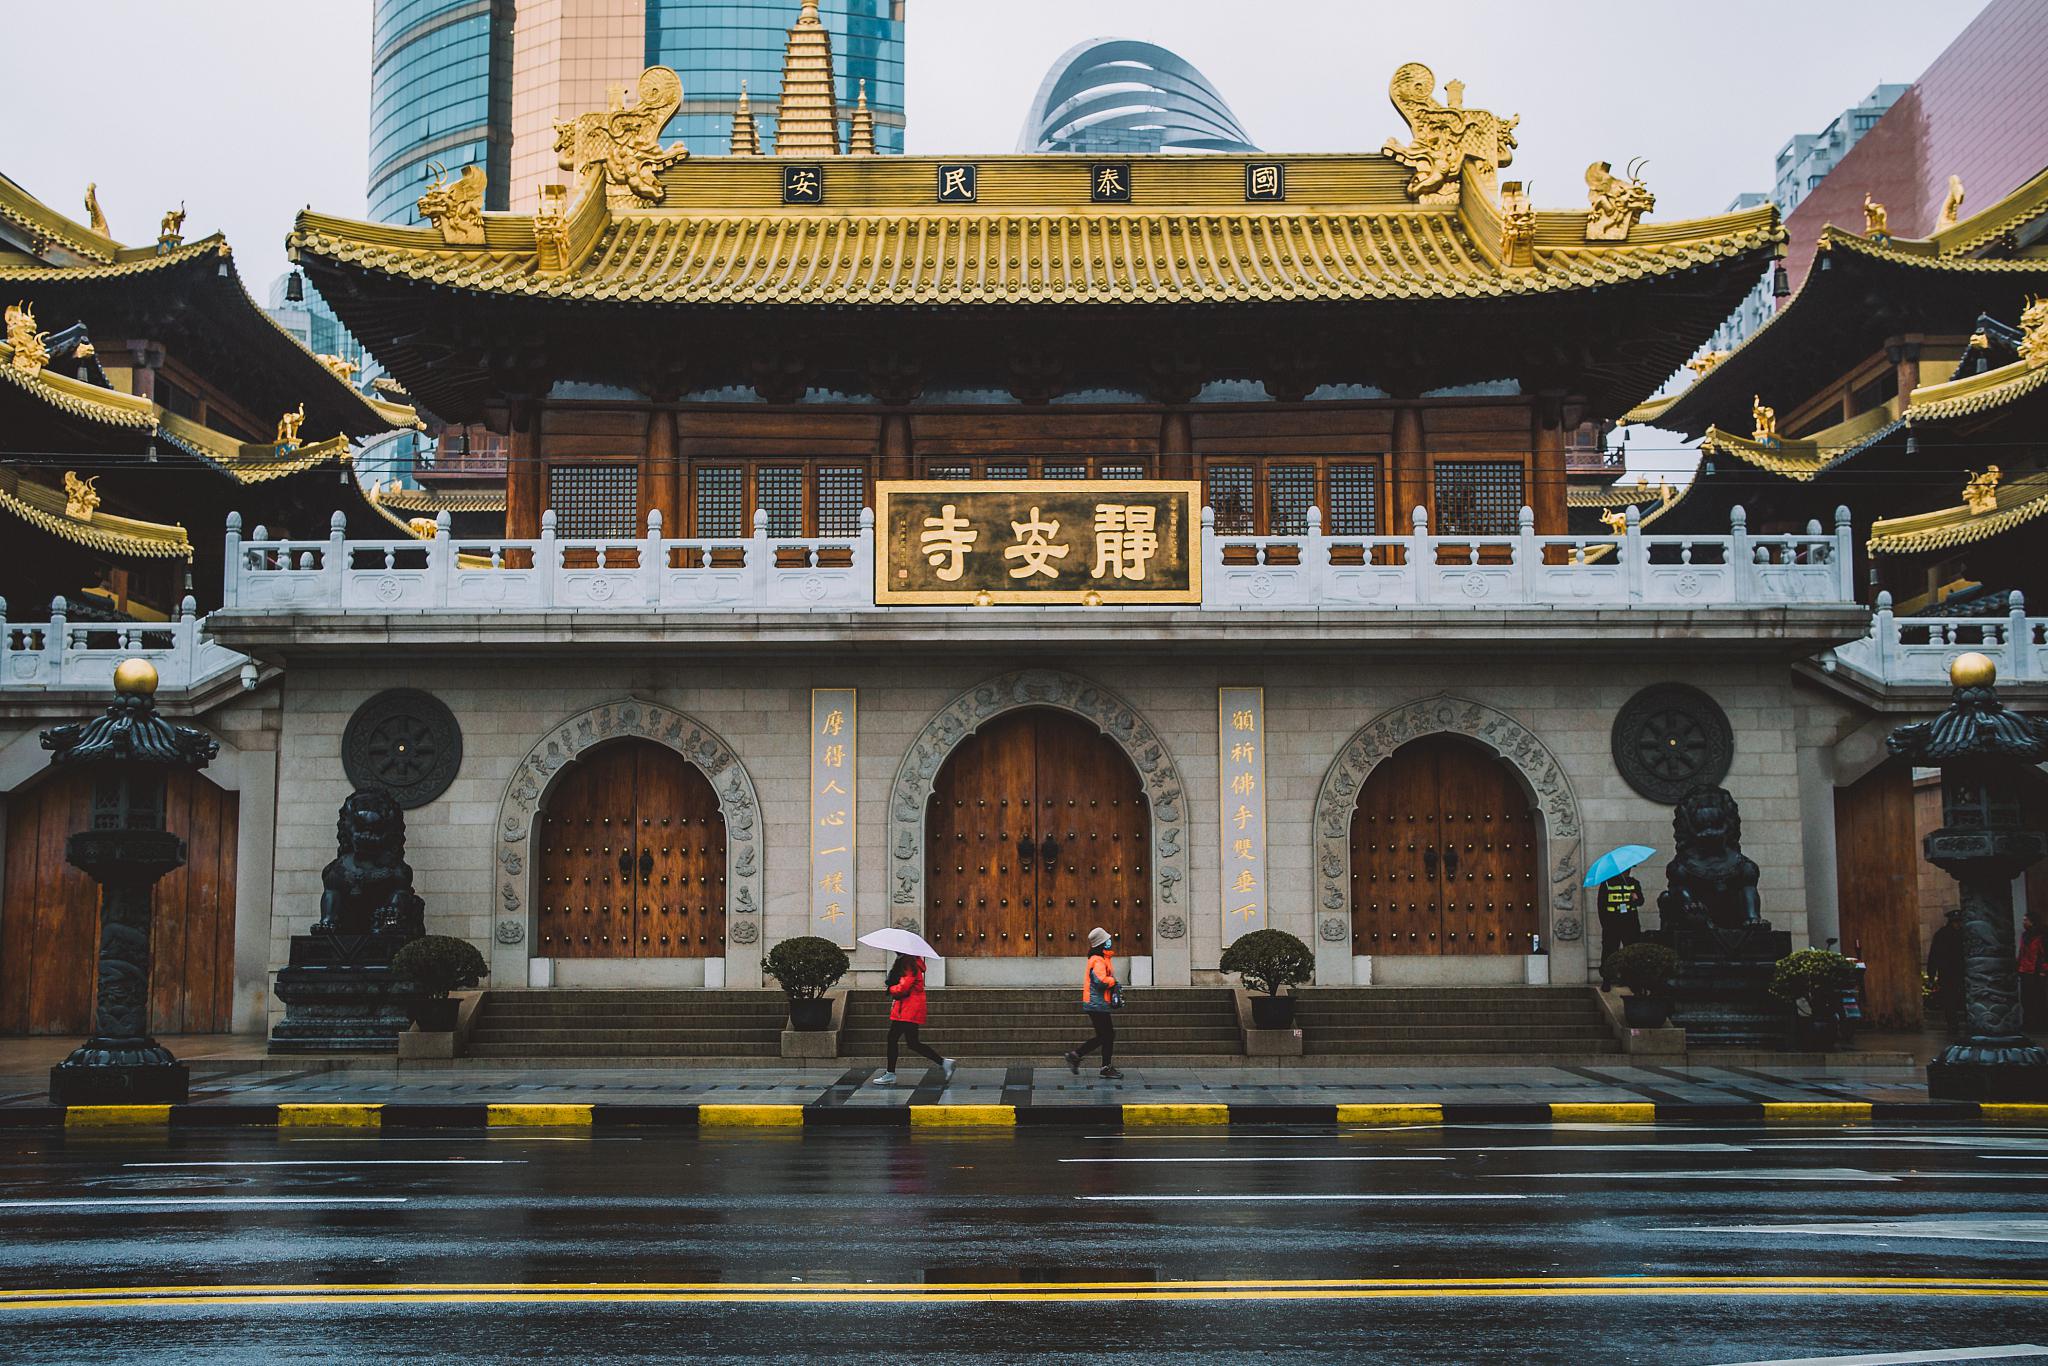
1268, 960
437, 965
1813, 980
1646, 969
807, 967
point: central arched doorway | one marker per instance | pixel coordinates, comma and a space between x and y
1038, 830
632, 858
1443, 854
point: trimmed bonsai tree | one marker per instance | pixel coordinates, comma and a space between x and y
1814, 981
1268, 960
807, 967
437, 965
1646, 969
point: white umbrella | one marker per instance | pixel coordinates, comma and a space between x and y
893, 940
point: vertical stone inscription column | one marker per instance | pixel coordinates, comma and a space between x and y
834, 750
1241, 833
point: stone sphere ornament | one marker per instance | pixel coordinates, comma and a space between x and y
135, 678
1972, 670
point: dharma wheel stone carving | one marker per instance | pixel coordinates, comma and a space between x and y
404, 741
745, 932
1669, 739
1172, 927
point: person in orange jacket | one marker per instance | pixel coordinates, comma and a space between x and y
907, 1016
1099, 998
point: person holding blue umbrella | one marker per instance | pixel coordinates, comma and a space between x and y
1621, 901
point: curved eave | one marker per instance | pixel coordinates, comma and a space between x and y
431, 501
2007, 215
1806, 458
2019, 503
249, 462
1976, 394
39, 220
79, 399
43, 507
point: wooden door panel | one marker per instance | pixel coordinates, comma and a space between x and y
983, 897
1878, 890
1487, 854
1092, 802
680, 860
583, 834
1394, 907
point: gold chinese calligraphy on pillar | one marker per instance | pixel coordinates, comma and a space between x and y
1039, 541
1241, 766
833, 739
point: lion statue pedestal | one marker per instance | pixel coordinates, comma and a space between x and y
1713, 919
338, 991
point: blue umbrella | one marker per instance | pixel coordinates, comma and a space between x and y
1617, 861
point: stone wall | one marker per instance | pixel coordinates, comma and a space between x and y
760, 710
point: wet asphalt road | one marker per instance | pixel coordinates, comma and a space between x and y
1620, 1244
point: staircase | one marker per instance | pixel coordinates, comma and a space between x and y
630, 1028
1404, 1026
1157, 1027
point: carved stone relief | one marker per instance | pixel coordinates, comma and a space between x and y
912, 790
1445, 714
688, 737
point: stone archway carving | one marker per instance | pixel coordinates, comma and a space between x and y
911, 793
1444, 714
511, 901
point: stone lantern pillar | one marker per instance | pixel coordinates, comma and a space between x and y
128, 752
1982, 751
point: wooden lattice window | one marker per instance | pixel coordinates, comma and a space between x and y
1478, 497
1289, 491
842, 493
1354, 508
779, 492
595, 501
1233, 498
1273, 498
721, 502
1037, 467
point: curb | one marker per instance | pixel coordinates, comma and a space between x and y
601, 1115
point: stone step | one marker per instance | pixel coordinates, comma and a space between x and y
609, 1034
1505, 1048
1330, 1034
622, 1050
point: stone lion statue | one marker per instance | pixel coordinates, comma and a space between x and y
1710, 881
367, 889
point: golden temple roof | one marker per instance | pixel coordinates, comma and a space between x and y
42, 222
1614, 495
1980, 230
722, 236
247, 462
1974, 394
431, 501
2019, 502
1803, 458
45, 508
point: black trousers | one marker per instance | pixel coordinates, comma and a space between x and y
1105, 1037
904, 1032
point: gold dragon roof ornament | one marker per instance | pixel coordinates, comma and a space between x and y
624, 142
551, 229
1980, 494
94, 219
343, 368
1616, 201
1706, 361
2033, 346
30, 354
1951, 205
746, 134
1450, 141
457, 209
1517, 226
81, 498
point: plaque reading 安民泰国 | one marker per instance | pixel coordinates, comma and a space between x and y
1045, 541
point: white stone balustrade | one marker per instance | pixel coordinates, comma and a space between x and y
1312, 572
63, 655
1918, 650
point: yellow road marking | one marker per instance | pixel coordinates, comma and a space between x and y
1816, 1112
1176, 1114
115, 1116
1390, 1114
2014, 1114
304, 1115
770, 1116
1619, 1112
521, 1115
984, 1116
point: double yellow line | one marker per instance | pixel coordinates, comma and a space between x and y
1022, 1292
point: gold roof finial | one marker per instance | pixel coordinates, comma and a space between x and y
1951, 205
1876, 222
860, 137
1450, 141
1615, 202
1765, 419
623, 145
30, 355
746, 134
95, 220
2034, 332
1980, 494
807, 120
458, 209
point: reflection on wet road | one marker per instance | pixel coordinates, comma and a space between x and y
1579, 1243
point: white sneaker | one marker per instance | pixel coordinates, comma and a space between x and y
883, 1079
949, 1065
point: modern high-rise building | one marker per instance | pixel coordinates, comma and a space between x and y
1119, 96
484, 82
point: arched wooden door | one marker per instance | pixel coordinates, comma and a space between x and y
632, 858
1038, 831
49, 913
1443, 855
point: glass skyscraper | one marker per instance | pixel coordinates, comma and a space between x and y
440, 93
461, 82
1119, 97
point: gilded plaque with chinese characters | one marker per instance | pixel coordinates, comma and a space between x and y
1044, 541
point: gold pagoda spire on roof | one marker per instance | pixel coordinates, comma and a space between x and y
807, 121
860, 136
746, 134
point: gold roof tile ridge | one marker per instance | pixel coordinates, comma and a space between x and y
44, 507
2019, 502
1974, 394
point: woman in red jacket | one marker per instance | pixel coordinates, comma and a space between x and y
906, 1014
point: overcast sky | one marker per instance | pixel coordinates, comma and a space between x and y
249, 109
